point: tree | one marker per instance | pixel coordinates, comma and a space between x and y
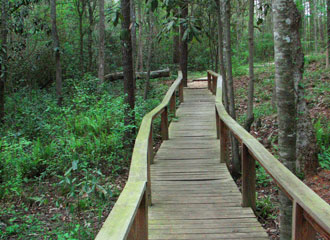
328, 33
150, 47
128, 72
236, 163
184, 44
285, 102
56, 44
91, 9
250, 116
3, 55
176, 40
306, 145
101, 41
81, 8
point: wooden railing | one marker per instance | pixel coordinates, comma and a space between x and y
129, 217
311, 213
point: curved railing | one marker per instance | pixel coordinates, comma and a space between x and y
311, 213
129, 217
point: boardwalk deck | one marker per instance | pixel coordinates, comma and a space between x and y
194, 196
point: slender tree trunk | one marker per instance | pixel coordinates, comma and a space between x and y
4, 56
128, 73
221, 57
139, 57
91, 8
328, 33
306, 145
81, 5
250, 116
56, 44
146, 90
184, 46
236, 163
133, 37
101, 41
176, 42
284, 76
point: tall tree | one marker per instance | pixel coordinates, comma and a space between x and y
139, 55
176, 41
81, 8
285, 93
236, 163
221, 56
306, 145
128, 72
150, 47
3, 55
56, 44
91, 9
133, 37
101, 41
250, 116
184, 44
328, 33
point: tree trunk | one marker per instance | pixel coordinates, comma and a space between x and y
328, 33
306, 145
176, 42
250, 116
184, 46
101, 41
133, 38
4, 56
149, 56
56, 44
221, 57
284, 74
236, 163
139, 57
91, 9
81, 5
128, 74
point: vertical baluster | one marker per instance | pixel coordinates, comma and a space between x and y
301, 229
223, 142
209, 81
150, 161
248, 179
139, 229
181, 92
164, 124
173, 104
217, 119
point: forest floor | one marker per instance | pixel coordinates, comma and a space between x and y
265, 130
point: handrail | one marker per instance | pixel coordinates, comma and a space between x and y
129, 216
311, 213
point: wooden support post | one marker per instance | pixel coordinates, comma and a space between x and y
181, 92
139, 229
150, 161
223, 142
248, 179
217, 119
164, 125
209, 81
214, 84
301, 229
173, 105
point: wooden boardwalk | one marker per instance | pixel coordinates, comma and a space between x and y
193, 195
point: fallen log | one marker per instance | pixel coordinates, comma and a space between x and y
139, 75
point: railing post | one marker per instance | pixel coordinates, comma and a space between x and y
164, 124
173, 104
213, 84
150, 161
223, 142
139, 229
301, 229
181, 92
248, 179
217, 119
209, 81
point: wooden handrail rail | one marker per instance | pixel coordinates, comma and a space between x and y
310, 212
129, 217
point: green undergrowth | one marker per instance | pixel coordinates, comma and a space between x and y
66, 158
